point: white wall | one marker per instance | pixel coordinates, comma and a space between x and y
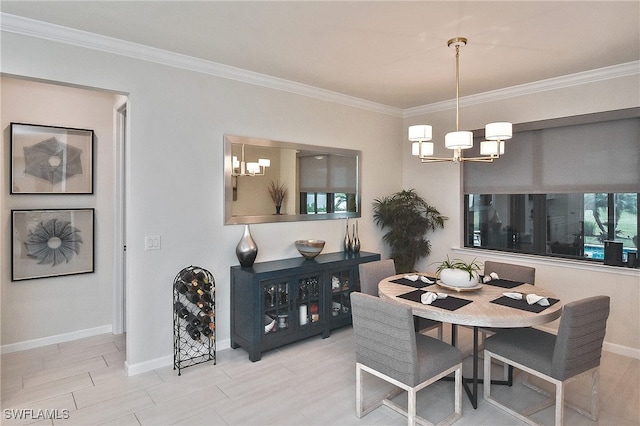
41, 308
440, 185
175, 175
175, 183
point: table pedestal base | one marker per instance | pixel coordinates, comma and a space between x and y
472, 392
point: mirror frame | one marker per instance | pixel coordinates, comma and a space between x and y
228, 190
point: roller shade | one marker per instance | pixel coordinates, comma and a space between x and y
328, 173
593, 157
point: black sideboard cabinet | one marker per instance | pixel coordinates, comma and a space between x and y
278, 302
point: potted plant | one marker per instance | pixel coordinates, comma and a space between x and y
457, 273
277, 193
407, 218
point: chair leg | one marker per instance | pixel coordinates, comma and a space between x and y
595, 386
440, 332
458, 391
358, 391
411, 407
559, 403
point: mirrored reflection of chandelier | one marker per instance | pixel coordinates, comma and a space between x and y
252, 168
490, 149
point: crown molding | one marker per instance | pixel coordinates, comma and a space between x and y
33, 28
577, 79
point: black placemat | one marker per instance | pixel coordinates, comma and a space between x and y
451, 303
504, 283
417, 283
523, 305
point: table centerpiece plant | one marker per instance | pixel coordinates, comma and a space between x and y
458, 273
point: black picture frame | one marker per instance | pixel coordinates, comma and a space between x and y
51, 160
52, 243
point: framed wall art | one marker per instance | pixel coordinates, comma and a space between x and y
50, 243
51, 160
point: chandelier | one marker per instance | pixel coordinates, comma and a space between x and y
251, 168
490, 149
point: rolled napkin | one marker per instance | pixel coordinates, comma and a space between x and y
531, 299
428, 297
426, 280
534, 298
415, 277
491, 276
412, 277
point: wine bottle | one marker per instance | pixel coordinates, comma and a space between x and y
192, 319
206, 296
181, 310
204, 318
181, 287
193, 332
207, 332
194, 298
187, 276
206, 308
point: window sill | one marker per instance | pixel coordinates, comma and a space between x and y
549, 261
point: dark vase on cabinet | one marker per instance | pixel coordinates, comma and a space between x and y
280, 302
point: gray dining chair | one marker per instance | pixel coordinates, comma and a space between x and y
371, 273
511, 272
388, 347
574, 352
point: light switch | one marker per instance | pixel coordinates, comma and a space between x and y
152, 242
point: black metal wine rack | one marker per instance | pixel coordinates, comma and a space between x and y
194, 308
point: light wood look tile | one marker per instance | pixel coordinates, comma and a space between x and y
310, 382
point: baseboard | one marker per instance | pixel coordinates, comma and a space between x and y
143, 367
609, 347
621, 350
58, 338
164, 361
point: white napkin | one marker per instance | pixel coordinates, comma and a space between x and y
531, 298
415, 277
428, 297
491, 276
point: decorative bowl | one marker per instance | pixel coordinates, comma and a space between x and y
310, 248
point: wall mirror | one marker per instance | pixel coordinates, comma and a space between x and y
320, 182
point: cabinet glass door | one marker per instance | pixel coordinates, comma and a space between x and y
292, 303
340, 293
308, 303
277, 306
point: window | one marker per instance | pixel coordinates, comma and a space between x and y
323, 202
328, 184
560, 190
574, 225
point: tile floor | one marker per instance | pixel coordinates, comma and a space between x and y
307, 383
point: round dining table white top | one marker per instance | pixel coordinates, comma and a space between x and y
481, 312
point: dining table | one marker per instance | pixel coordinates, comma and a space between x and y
482, 306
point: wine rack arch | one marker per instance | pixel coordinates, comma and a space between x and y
194, 318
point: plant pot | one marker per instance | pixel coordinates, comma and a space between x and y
458, 278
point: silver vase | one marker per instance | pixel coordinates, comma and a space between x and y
355, 241
246, 250
347, 239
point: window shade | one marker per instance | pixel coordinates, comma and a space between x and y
593, 157
328, 173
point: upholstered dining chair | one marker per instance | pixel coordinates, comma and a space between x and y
388, 347
574, 352
371, 273
509, 271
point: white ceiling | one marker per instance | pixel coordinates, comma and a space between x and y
390, 52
